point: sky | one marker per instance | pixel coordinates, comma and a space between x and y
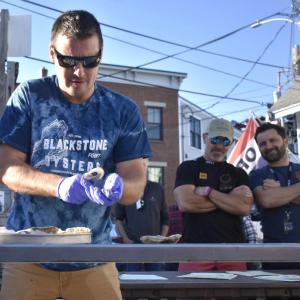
232, 74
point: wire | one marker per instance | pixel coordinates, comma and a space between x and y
158, 39
220, 115
290, 63
193, 48
200, 109
183, 60
158, 60
159, 86
170, 42
204, 51
192, 63
180, 123
250, 91
240, 59
187, 91
27, 9
252, 67
239, 111
173, 55
192, 113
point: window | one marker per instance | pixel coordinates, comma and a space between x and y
154, 123
195, 132
290, 125
156, 174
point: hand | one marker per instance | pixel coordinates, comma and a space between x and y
70, 190
203, 191
110, 192
242, 190
127, 240
296, 200
270, 184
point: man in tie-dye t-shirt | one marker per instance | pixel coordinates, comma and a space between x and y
52, 131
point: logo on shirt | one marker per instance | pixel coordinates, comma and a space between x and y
58, 149
226, 183
202, 175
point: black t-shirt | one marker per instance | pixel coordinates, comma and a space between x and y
216, 226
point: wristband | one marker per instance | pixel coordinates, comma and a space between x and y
207, 191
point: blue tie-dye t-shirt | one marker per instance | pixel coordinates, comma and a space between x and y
65, 138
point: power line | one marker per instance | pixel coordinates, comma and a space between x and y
27, 9
173, 55
180, 59
223, 114
176, 54
240, 59
186, 91
192, 63
155, 38
239, 111
170, 42
250, 91
166, 56
209, 117
252, 67
160, 86
208, 95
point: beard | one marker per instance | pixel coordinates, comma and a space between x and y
217, 156
275, 154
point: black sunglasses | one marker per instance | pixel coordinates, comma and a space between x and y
71, 61
220, 140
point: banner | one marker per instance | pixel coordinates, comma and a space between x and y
19, 36
246, 154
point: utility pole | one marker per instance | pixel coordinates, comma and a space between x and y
296, 6
12, 68
4, 16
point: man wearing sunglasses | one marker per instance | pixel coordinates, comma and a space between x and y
54, 130
213, 196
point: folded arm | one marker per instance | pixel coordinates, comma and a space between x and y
271, 194
237, 202
188, 200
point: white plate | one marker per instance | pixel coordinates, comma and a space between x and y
10, 238
141, 277
209, 275
280, 277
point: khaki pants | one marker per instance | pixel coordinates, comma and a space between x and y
33, 282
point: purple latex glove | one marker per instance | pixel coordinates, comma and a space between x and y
70, 190
110, 192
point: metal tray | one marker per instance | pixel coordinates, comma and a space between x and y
11, 238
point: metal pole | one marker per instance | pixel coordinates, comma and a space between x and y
3, 56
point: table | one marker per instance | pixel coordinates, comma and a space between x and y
177, 287
174, 287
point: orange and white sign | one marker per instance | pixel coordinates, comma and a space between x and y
246, 154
